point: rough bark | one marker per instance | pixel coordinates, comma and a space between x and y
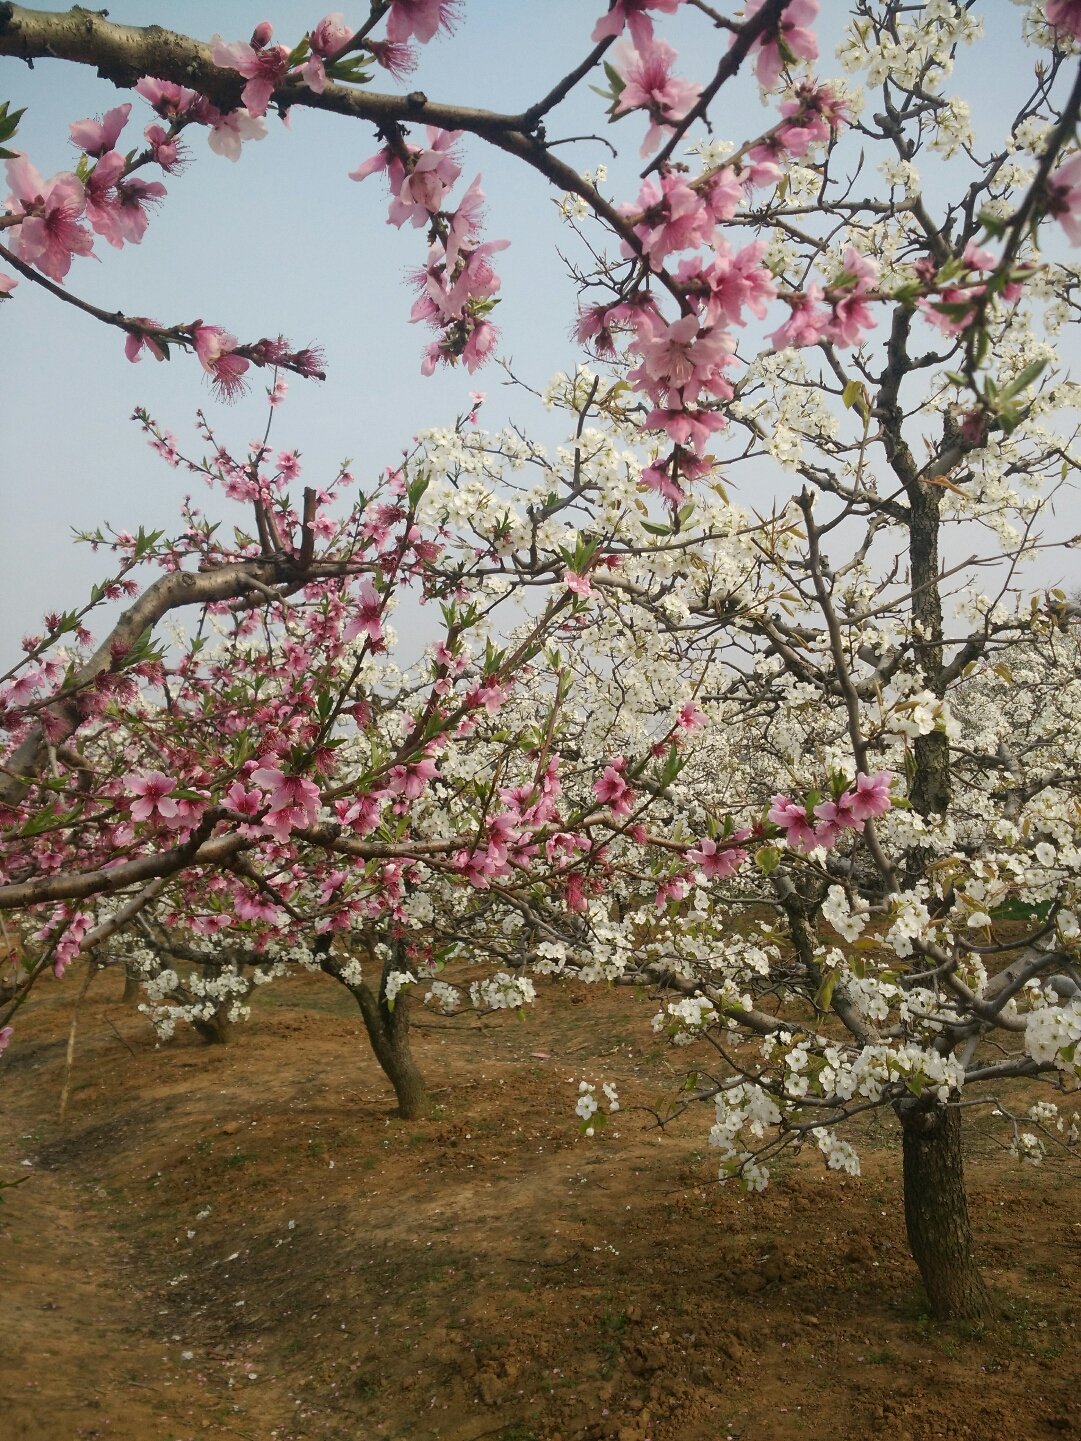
936, 1213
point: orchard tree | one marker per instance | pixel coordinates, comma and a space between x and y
884, 332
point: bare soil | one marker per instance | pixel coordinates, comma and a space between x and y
244, 1240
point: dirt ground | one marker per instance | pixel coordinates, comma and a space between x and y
245, 1241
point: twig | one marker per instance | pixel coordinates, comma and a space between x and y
120, 1038
91, 971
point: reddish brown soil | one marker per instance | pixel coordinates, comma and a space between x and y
245, 1241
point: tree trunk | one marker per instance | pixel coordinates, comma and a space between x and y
388, 1032
930, 793
132, 988
217, 1029
936, 1213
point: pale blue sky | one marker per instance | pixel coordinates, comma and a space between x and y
283, 241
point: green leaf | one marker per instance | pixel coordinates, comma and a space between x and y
824, 998
767, 859
1022, 380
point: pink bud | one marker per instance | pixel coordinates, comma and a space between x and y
261, 35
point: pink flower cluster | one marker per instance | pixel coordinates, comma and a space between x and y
266, 67
804, 830
458, 284
683, 363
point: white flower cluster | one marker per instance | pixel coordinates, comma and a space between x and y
1027, 1146
1052, 1034
502, 992
394, 983
686, 1019
743, 1108
444, 998
843, 914
840, 1156
587, 1106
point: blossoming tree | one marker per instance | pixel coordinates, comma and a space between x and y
884, 336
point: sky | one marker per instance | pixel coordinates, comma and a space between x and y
283, 242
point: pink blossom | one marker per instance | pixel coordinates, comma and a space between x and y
137, 341
673, 216
259, 907
721, 192
612, 789
660, 479
361, 815
717, 862
1063, 197
228, 132
962, 299
6, 1033
631, 13
189, 812
649, 85
169, 100
429, 178
851, 314
422, 18
792, 40
293, 801
690, 717
978, 258
71, 944
681, 360
792, 818
153, 790
367, 618
216, 348
1065, 15
98, 136
577, 583
50, 233
410, 781
396, 59
326, 39
166, 150
263, 67
816, 113
730, 282
7, 284
834, 817
673, 889
691, 428
806, 325
483, 338
465, 223
116, 207
871, 796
